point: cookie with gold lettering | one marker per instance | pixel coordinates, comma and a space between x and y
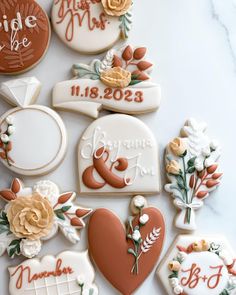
24, 35
91, 26
199, 265
35, 214
67, 273
120, 82
118, 154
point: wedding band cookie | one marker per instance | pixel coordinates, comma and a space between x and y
118, 154
197, 265
68, 273
24, 35
33, 138
91, 26
21, 233
126, 256
192, 169
120, 82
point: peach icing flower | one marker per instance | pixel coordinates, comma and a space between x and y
116, 77
116, 7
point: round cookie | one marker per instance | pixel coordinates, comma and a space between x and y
33, 138
91, 26
24, 35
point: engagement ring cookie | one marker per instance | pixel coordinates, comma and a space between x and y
66, 274
24, 35
192, 169
197, 265
118, 154
33, 138
33, 215
126, 256
91, 26
120, 83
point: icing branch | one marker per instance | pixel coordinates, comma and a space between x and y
5, 143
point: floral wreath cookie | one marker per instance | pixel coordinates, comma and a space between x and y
118, 155
126, 256
68, 273
24, 35
33, 215
192, 169
33, 138
120, 83
199, 265
91, 26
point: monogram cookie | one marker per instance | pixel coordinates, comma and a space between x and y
24, 35
126, 256
192, 170
91, 26
33, 138
118, 154
68, 273
35, 214
120, 82
199, 265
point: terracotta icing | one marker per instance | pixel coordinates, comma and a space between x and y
68, 273
117, 154
35, 214
120, 82
25, 35
30, 149
87, 27
126, 256
192, 169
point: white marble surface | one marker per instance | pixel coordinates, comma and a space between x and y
193, 44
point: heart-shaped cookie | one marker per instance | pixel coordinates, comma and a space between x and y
111, 249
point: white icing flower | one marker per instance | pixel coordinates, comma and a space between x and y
178, 289
198, 164
144, 219
11, 129
226, 257
30, 248
136, 235
182, 256
206, 151
80, 280
9, 120
5, 138
209, 162
139, 201
214, 144
174, 282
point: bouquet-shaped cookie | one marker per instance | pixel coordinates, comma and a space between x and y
33, 215
192, 168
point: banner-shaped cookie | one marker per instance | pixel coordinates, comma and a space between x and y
120, 83
118, 154
35, 214
68, 273
33, 138
192, 170
199, 265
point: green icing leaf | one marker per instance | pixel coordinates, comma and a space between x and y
14, 248
173, 275
125, 26
224, 292
65, 208
131, 251
134, 82
4, 224
191, 170
191, 162
91, 291
180, 182
59, 214
90, 72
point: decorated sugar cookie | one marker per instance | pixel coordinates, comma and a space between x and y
24, 35
35, 214
126, 256
120, 82
91, 26
118, 154
69, 273
33, 138
197, 265
192, 169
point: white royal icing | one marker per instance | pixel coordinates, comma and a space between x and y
124, 137
65, 270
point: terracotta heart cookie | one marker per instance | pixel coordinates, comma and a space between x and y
24, 35
126, 257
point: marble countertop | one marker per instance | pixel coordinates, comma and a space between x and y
193, 44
